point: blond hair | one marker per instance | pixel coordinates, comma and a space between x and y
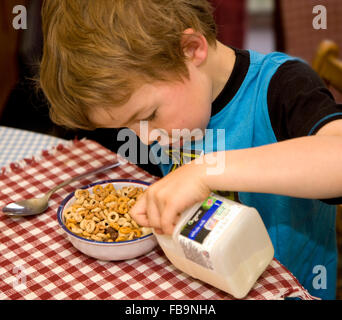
97, 53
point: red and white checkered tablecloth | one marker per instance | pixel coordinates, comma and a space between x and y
38, 262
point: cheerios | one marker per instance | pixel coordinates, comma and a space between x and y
102, 214
112, 216
131, 236
121, 221
123, 208
122, 200
125, 230
137, 232
81, 193
98, 190
90, 226
132, 193
109, 188
110, 198
120, 239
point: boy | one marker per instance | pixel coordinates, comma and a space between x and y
121, 63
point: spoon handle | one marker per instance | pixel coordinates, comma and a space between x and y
81, 176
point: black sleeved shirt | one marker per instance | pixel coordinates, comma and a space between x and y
299, 104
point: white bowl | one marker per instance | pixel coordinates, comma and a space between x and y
108, 251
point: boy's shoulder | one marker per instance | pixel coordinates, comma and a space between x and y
275, 58
283, 89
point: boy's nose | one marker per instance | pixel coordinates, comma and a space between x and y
145, 140
143, 131
144, 136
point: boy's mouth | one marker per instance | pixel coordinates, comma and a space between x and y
179, 141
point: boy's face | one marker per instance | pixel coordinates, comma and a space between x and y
165, 105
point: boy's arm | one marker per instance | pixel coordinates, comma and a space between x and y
307, 167
299, 104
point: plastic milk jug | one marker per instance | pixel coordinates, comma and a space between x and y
220, 242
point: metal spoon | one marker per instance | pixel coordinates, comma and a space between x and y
34, 206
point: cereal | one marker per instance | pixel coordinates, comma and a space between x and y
81, 193
98, 190
123, 208
109, 188
103, 214
125, 230
121, 238
110, 198
112, 216
113, 234
137, 232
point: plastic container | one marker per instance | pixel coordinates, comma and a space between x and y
220, 242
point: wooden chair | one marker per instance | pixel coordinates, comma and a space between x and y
329, 67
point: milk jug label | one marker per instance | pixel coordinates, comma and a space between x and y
202, 222
205, 226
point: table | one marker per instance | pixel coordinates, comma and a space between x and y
38, 262
18, 144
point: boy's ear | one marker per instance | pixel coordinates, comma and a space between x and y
195, 46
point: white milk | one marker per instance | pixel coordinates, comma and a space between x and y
220, 242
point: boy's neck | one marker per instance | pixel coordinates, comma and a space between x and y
220, 64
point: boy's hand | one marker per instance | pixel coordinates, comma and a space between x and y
162, 202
